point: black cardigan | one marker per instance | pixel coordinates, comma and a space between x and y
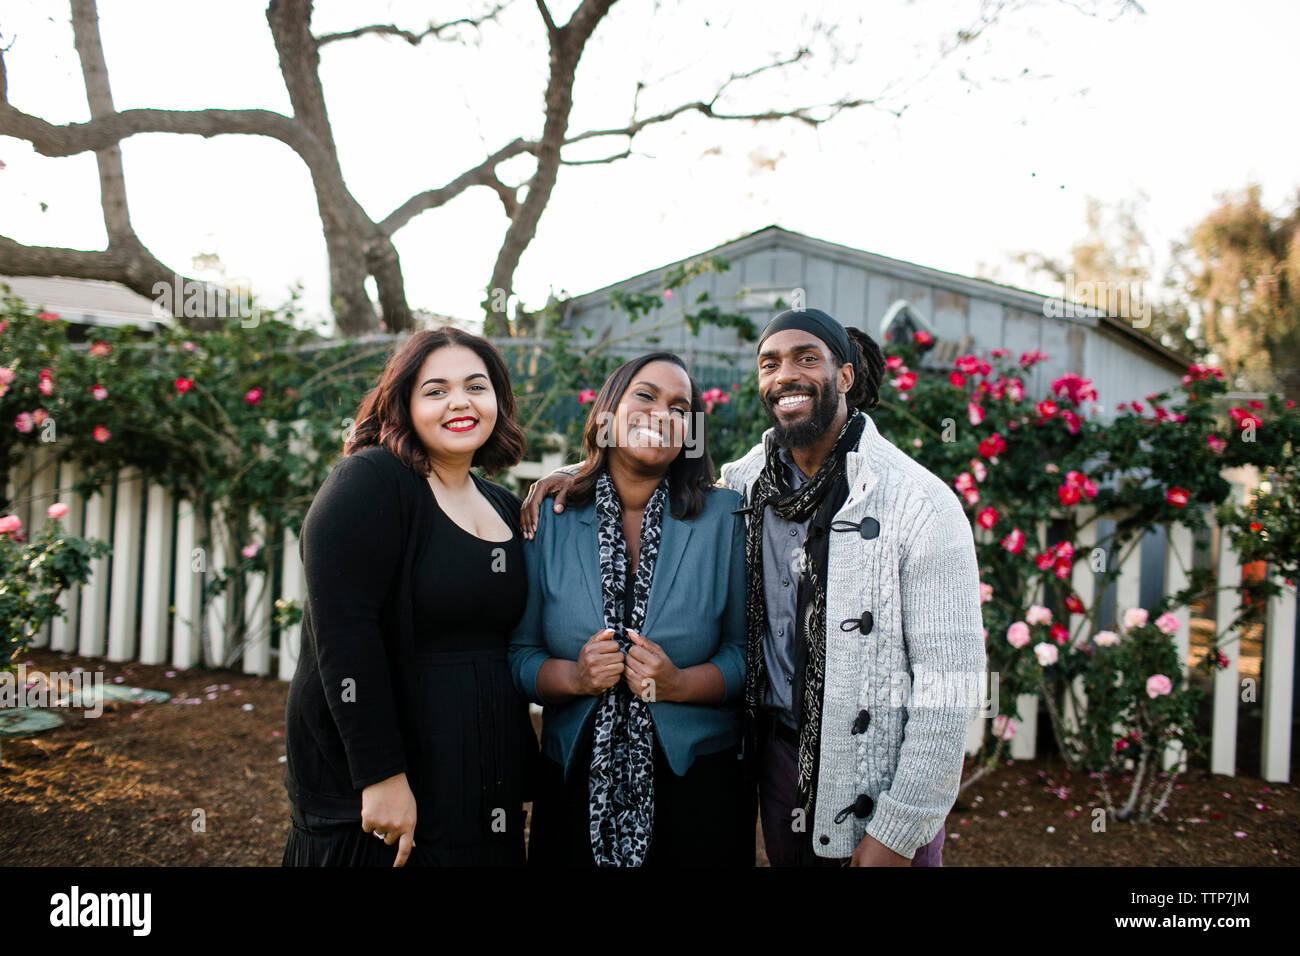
352, 700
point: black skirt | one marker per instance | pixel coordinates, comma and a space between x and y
702, 818
477, 766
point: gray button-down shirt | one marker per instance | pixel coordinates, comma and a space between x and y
782, 554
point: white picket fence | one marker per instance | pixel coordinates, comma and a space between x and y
143, 601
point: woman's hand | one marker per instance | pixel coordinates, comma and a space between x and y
650, 674
556, 483
388, 810
600, 663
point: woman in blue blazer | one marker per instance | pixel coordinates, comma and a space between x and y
633, 640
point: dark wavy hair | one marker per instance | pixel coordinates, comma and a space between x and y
868, 371
689, 479
384, 416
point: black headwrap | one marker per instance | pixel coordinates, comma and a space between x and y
818, 323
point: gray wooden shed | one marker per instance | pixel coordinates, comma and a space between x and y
866, 290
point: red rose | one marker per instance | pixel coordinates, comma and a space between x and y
992, 446
1178, 497
1069, 494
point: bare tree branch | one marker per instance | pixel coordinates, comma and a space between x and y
566, 45
126, 261
434, 30
351, 237
484, 174
99, 97
4, 76
596, 162
551, 29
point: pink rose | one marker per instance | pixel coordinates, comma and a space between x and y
100, 393
56, 510
1167, 623
1157, 685
23, 422
249, 550
974, 412
101, 434
1004, 728
986, 593
1046, 654
1106, 639
987, 518
6, 375
1015, 541
1134, 617
10, 523
586, 395
978, 470
1018, 634
253, 396
1039, 615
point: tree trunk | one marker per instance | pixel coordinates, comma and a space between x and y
352, 257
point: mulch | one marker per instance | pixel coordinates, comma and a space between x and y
197, 781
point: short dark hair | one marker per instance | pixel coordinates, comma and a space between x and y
689, 478
384, 416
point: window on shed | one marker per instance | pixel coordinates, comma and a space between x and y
902, 322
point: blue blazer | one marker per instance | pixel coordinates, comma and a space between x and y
696, 613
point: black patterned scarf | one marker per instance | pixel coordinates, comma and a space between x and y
621, 785
817, 498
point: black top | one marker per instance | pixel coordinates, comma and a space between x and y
353, 698
473, 588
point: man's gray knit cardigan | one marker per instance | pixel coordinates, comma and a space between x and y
918, 671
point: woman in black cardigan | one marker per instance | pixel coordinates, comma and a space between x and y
406, 739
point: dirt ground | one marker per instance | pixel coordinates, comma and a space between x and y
132, 787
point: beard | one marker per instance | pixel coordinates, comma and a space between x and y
800, 434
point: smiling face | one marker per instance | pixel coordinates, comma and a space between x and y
801, 386
453, 404
650, 423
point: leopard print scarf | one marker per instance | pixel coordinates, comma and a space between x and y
818, 498
621, 784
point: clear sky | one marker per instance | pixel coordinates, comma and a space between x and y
1177, 105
